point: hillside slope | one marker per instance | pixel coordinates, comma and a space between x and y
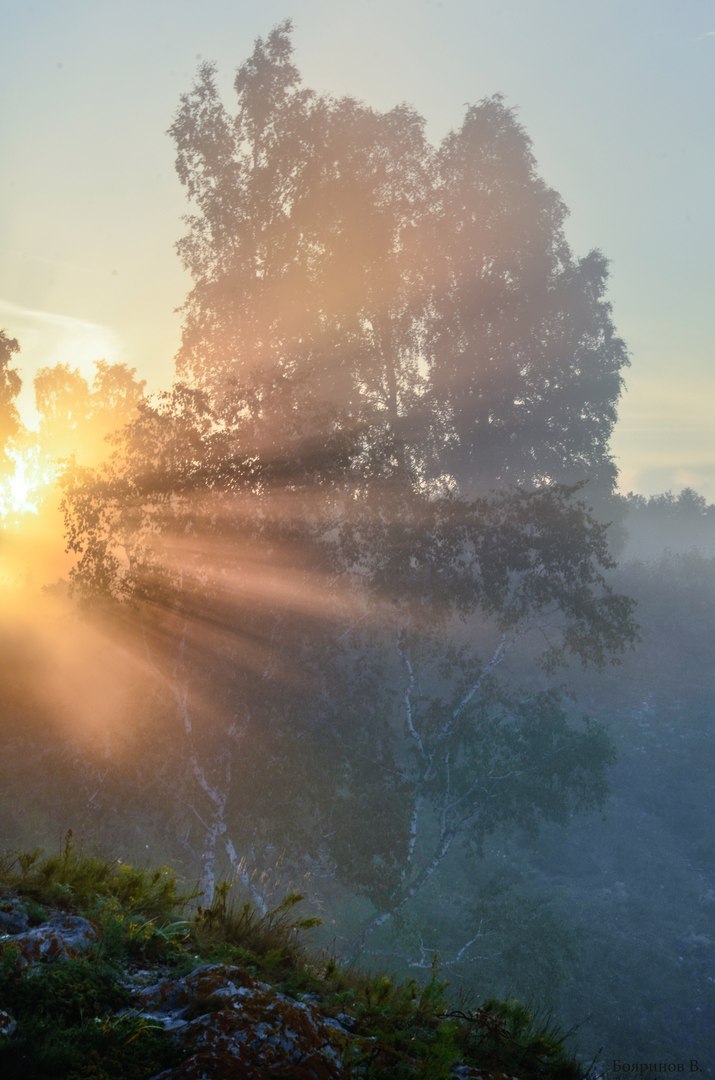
108, 972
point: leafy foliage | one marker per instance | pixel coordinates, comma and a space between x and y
346, 271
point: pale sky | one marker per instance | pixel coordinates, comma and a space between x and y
618, 97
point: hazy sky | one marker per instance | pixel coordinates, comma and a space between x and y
618, 97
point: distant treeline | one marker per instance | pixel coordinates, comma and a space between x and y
667, 522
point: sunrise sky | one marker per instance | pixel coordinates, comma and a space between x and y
618, 97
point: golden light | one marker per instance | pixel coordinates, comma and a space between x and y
31, 540
22, 490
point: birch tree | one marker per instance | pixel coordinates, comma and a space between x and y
380, 333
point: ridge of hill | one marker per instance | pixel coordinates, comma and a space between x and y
107, 971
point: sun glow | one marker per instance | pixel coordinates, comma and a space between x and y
23, 488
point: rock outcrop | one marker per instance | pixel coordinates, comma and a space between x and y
105, 991
226, 1022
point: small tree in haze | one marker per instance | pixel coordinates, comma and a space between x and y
10, 385
76, 417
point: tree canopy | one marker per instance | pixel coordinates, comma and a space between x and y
345, 268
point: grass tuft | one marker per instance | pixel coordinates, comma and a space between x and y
77, 882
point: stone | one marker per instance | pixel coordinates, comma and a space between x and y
230, 1024
60, 937
8, 1024
13, 916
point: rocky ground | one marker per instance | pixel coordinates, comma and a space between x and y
108, 992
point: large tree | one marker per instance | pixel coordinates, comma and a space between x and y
299, 531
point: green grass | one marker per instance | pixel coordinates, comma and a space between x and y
67, 1025
506, 1036
269, 944
74, 881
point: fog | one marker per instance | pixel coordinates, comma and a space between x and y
354, 605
